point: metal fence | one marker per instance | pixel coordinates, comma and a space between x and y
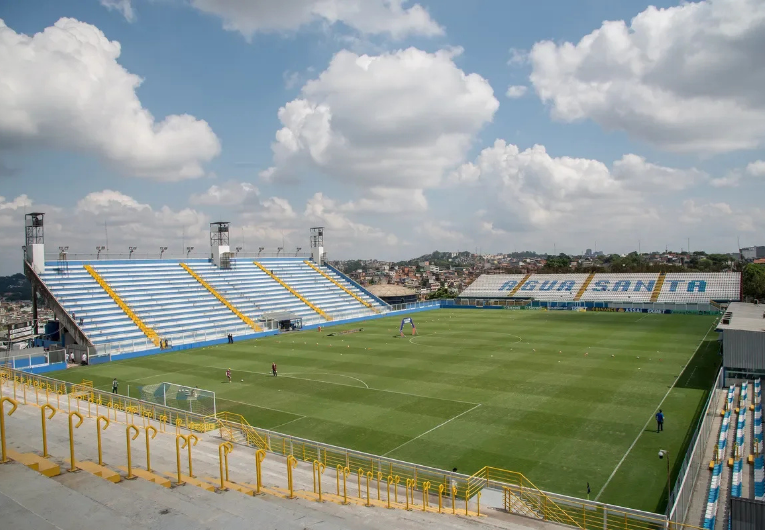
694, 460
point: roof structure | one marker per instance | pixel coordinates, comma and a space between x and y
281, 315
743, 317
389, 289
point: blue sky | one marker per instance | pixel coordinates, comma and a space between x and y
391, 123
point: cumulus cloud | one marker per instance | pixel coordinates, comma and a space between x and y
396, 120
388, 17
516, 91
320, 208
125, 7
389, 201
756, 169
92, 106
532, 189
229, 194
685, 78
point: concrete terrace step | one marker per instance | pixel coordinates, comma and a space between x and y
44, 503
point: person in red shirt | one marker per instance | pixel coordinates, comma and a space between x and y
273, 369
228, 374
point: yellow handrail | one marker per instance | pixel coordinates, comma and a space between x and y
247, 320
520, 284
293, 291
584, 286
657, 288
341, 286
228, 421
150, 333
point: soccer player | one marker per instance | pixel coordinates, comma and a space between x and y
228, 374
659, 421
273, 369
115, 384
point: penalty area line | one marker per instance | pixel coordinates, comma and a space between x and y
355, 386
651, 416
431, 430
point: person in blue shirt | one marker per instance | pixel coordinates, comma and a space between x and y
659, 421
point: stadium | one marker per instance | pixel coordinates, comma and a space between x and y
528, 394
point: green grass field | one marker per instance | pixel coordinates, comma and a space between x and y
510, 389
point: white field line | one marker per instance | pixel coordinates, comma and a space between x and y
355, 386
650, 418
431, 430
339, 375
261, 407
286, 422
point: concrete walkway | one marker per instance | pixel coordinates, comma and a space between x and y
82, 501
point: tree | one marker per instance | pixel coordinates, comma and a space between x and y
753, 280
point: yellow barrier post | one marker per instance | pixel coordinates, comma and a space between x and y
130, 475
260, 455
454, 499
389, 480
359, 473
408, 484
192, 440
369, 477
440, 494
379, 478
346, 472
98, 436
425, 499
178, 447
223, 450
338, 472
291, 463
318, 469
478, 505
148, 451
44, 431
467, 499
14, 404
72, 414
396, 480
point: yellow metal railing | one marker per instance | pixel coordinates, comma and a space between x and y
657, 288
584, 287
341, 286
520, 284
150, 333
247, 320
232, 423
293, 291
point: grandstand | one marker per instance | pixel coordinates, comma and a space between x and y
118, 306
610, 287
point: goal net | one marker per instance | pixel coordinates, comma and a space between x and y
186, 398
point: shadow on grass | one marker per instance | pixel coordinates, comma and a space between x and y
700, 375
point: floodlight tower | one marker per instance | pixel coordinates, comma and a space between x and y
34, 231
317, 245
219, 240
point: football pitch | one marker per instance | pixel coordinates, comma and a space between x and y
566, 398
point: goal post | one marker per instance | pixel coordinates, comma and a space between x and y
181, 397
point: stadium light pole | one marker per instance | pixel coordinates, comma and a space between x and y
662, 454
297, 251
188, 251
238, 250
161, 251
260, 249
132, 249
99, 249
279, 249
